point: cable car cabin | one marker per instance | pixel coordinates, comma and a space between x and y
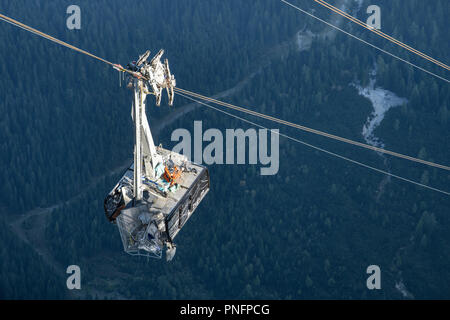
161, 189
150, 224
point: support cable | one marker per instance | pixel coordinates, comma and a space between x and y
366, 42
254, 113
381, 34
318, 148
314, 131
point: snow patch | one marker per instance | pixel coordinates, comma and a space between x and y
382, 100
400, 286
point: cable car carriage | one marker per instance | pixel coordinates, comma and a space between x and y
161, 189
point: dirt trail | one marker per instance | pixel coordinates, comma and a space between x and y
30, 228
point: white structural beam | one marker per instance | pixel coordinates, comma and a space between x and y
137, 115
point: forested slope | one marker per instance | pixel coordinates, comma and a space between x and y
308, 232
